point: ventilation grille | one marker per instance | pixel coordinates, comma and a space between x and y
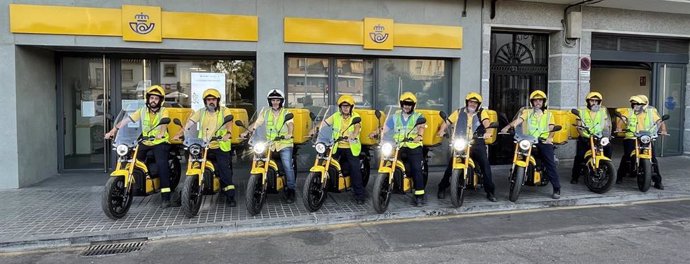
113, 248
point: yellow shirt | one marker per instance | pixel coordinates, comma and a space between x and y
277, 146
210, 124
343, 128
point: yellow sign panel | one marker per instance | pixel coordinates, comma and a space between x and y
378, 33
323, 31
141, 23
64, 20
428, 36
181, 25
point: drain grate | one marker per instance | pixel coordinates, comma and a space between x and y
102, 249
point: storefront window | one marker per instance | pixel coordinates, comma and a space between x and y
307, 82
427, 79
176, 78
356, 77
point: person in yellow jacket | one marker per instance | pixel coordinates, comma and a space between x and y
411, 153
641, 117
595, 116
477, 121
539, 123
347, 151
209, 120
277, 127
150, 116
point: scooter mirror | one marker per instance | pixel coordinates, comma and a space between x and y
575, 112
228, 119
289, 116
356, 120
164, 121
443, 115
240, 124
312, 116
420, 121
177, 121
377, 113
556, 128
665, 117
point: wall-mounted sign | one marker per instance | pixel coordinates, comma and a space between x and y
204, 80
141, 23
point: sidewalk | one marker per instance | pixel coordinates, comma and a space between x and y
65, 210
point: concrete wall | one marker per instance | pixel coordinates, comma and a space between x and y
617, 85
686, 134
36, 131
8, 106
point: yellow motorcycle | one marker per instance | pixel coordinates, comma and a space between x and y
202, 178
464, 174
326, 174
642, 155
392, 176
133, 177
266, 175
598, 171
526, 169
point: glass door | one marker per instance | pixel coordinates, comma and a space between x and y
135, 78
670, 96
85, 108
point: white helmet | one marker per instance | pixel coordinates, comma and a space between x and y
276, 94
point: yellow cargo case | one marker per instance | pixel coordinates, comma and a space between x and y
493, 117
302, 124
180, 113
565, 119
369, 124
620, 125
238, 114
433, 123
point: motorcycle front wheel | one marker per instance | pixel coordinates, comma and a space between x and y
366, 171
644, 175
602, 180
314, 193
191, 196
382, 193
115, 201
255, 195
457, 187
517, 179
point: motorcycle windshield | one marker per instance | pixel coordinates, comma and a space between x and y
259, 122
130, 133
461, 129
521, 129
325, 135
389, 132
194, 135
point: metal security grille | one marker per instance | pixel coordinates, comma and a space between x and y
639, 44
113, 248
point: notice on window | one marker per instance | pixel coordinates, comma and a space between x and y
88, 108
205, 80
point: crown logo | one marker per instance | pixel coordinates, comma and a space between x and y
378, 36
379, 28
141, 17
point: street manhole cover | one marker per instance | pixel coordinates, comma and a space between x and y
112, 248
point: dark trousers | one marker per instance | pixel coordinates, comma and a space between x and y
345, 157
413, 158
478, 155
548, 159
222, 162
626, 161
582, 148
160, 154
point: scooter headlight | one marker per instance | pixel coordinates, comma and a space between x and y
320, 148
387, 149
605, 141
459, 144
122, 150
260, 147
645, 139
525, 144
194, 150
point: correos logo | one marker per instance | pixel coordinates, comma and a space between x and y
379, 35
141, 25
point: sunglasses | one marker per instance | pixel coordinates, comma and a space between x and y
407, 103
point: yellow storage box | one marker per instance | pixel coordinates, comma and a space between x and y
238, 114
433, 123
369, 124
493, 117
620, 125
302, 125
180, 113
564, 119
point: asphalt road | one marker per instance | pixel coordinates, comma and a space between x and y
657, 232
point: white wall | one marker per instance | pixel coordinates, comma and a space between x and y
617, 85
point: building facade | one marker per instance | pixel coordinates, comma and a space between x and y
70, 66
